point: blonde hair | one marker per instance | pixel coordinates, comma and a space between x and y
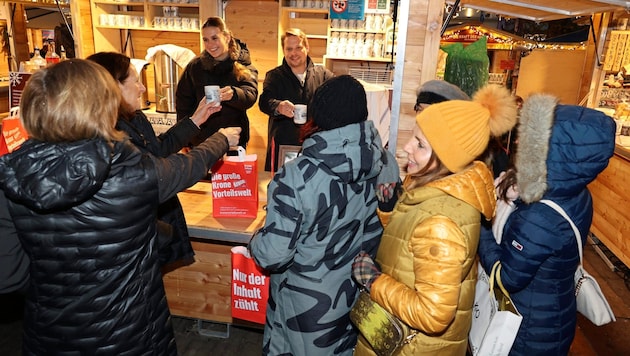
71, 101
297, 33
240, 70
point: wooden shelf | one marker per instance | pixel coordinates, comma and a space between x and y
356, 30
360, 59
305, 10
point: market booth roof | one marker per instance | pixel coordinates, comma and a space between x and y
496, 39
543, 10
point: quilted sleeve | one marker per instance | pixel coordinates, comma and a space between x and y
439, 252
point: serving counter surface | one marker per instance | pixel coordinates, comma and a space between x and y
202, 290
197, 204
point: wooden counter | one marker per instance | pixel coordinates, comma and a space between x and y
202, 290
611, 212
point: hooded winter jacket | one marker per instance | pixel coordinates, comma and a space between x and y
86, 216
321, 212
204, 70
427, 256
281, 84
561, 149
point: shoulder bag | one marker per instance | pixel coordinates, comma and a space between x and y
589, 298
382, 330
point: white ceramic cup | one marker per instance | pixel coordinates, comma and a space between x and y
299, 114
213, 94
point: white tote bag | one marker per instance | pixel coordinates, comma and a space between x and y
496, 320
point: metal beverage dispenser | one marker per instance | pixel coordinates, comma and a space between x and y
167, 73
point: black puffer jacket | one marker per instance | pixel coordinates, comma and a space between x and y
204, 70
85, 213
173, 235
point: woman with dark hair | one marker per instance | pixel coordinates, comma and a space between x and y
225, 62
174, 240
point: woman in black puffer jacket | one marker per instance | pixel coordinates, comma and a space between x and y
225, 62
84, 202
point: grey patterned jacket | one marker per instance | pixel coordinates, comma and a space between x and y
321, 211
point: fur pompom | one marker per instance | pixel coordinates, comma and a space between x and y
501, 105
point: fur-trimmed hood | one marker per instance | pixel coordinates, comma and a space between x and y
561, 148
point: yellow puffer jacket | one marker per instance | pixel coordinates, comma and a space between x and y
427, 255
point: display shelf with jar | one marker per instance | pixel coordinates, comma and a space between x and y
112, 19
615, 89
310, 16
358, 39
369, 41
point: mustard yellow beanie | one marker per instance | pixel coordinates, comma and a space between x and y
459, 131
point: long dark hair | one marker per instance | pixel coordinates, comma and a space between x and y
508, 180
118, 65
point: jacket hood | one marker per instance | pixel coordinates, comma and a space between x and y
561, 148
45, 176
353, 153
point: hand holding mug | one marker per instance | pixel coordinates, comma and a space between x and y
286, 108
226, 94
204, 110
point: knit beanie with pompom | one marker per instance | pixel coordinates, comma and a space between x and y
338, 102
459, 131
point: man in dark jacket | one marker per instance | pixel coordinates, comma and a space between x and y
291, 83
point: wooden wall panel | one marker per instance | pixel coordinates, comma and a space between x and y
611, 218
83, 35
256, 24
202, 290
420, 62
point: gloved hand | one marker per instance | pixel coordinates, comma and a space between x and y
364, 270
387, 195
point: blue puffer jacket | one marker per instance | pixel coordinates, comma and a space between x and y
539, 251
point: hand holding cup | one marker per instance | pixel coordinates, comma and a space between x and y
204, 110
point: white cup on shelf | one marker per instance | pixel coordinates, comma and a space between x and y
185, 23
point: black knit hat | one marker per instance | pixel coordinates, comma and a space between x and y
338, 102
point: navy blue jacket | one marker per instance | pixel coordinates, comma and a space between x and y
538, 252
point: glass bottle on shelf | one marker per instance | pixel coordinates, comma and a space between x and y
62, 51
38, 60
51, 55
377, 50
